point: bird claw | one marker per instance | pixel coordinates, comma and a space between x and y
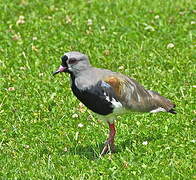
108, 148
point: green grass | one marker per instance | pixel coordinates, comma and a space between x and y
40, 138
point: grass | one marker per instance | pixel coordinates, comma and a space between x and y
151, 41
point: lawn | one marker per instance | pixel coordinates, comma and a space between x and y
45, 133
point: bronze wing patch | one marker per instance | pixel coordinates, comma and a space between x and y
116, 84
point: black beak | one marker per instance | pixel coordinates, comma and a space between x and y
61, 69
56, 72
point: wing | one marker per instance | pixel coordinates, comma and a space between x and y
127, 90
133, 96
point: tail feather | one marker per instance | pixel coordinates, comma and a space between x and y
173, 111
164, 102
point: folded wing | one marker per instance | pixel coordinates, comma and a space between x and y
133, 96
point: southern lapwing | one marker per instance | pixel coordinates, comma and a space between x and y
109, 93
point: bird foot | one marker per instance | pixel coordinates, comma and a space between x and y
108, 147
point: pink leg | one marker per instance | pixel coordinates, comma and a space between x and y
109, 145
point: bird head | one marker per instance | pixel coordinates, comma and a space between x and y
73, 62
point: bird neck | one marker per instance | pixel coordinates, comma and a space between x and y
78, 72
72, 76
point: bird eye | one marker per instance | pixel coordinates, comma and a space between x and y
72, 60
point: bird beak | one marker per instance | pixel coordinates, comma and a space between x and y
61, 69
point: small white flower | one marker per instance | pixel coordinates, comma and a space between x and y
80, 125
102, 28
11, 89
121, 67
145, 143
23, 68
65, 149
170, 45
49, 17
106, 52
21, 20
193, 141
34, 38
157, 17
68, 19
53, 95
27, 146
34, 48
75, 116
81, 105
41, 74
89, 22
16, 37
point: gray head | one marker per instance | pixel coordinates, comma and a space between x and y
73, 62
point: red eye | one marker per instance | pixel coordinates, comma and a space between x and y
72, 61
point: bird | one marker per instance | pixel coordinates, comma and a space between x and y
109, 93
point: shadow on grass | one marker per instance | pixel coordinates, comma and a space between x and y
92, 152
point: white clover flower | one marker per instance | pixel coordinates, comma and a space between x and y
11, 89
89, 22
145, 143
75, 115
170, 45
80, 125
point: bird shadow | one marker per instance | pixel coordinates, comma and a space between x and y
92, 152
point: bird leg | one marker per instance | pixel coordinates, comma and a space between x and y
109, 144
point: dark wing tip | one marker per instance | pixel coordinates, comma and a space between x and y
173, 111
